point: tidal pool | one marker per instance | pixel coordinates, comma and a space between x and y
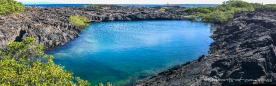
123, 52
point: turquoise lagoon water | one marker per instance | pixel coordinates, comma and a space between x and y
123, 52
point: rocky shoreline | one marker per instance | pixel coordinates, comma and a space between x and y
51, 26
244, 48
243, 53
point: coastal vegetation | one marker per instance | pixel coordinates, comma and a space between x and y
268, 7
107, 84
226, 11
79, 20
10, 6
218, 14
84, 6
163, 8
24, 63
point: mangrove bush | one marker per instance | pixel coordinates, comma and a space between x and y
268, 7
25, 64
79, 20
221, 13
10, 6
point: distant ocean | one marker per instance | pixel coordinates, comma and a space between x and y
147, 5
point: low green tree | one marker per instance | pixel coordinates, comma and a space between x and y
220, 13
10, 6
79, 20
25, 64
268, 7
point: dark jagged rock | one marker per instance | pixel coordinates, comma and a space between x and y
51, 26
243, 51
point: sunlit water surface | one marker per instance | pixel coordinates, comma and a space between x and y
124, 52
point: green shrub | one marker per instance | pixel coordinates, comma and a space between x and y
221, 13
10, 6
269, 7
107, 84
25, 64
163, 8
79, 20
195, 10
84, 6
92, 5
191, 17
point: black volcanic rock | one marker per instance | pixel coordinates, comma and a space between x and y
244, 52
51, 25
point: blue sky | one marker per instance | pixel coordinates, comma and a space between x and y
137, 1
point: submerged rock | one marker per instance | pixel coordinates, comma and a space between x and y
243, 53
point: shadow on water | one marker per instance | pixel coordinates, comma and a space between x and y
214, 27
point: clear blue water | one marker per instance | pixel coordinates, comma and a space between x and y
123, 52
